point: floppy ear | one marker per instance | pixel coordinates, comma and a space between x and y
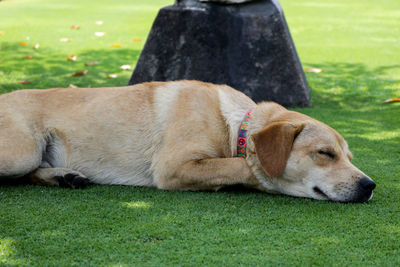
273, 145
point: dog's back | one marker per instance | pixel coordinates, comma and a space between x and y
127, 135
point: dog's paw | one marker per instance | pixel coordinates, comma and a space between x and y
72, 180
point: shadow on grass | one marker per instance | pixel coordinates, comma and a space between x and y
351, 85
50, 69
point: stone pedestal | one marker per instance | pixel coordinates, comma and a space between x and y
247, 46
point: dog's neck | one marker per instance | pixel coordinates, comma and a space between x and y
234, 107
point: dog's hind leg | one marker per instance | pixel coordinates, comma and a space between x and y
53, 169
20, 154
38, 158
62, 177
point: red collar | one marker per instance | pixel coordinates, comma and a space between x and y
241, 144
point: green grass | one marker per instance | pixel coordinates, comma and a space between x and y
355, 42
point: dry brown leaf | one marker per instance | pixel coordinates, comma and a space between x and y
80, 73
99, 22
75, 27
313, 70
116, 45
126, 67
91, 63
99, 34
64, 40
24, 82
28, 56
391, 100
112, 76
137, 40
72, 86
71, 58
23, 43
36, 46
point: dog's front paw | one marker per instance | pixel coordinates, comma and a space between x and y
72, 180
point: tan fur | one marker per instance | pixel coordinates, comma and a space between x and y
273, 145
174, 135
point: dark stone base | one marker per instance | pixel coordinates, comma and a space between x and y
247, 46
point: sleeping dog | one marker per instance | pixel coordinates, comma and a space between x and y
184, 135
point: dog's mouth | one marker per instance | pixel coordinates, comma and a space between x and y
317, 190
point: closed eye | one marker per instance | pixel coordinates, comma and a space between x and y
326, 153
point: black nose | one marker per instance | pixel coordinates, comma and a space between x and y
367, 184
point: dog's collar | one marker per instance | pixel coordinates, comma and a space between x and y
242, 137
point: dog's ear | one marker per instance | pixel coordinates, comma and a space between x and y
273, 145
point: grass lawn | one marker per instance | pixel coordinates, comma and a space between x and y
356, 43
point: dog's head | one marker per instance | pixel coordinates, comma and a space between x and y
300, 156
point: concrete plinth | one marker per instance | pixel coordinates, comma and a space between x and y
247, 46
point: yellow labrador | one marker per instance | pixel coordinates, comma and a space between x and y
177, 136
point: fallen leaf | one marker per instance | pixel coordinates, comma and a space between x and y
64, 40
137, 40
28, 56
24, 82
126, 67
23, 43
75, 27
1, 32
80, 73
36, 46
72, 86
112, 76
71, 58
116, 45
99, 22
314, 70
99, 34
391, 100
91, 63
